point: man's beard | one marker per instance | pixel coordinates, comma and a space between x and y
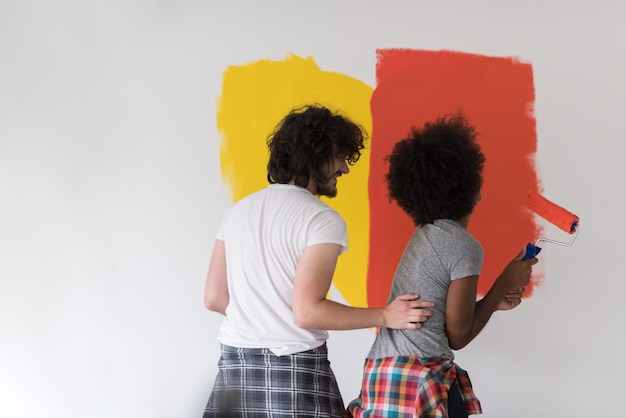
327, 188
327, 191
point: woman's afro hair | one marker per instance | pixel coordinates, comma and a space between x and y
436, 172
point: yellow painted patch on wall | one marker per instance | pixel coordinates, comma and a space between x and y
255, 97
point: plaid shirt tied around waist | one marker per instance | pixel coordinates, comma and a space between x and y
410, 387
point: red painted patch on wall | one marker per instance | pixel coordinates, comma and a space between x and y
497, 96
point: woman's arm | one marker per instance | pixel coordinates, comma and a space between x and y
312, 310
216, 295
465, 317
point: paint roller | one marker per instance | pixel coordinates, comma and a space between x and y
554, 214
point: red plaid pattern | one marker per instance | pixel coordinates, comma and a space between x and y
410, 387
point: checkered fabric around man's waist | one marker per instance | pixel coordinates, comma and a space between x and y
254, 382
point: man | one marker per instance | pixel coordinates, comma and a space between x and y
270, 272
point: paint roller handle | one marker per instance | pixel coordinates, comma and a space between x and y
531, 251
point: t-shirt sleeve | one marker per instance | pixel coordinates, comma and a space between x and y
469, 259
221, 230
327, 227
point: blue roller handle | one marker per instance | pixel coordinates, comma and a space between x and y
531, 251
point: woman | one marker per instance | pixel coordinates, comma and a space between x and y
435, 176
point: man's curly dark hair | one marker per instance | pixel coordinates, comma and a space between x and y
436, 173
306, 140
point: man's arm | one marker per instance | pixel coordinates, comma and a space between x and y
216, 296
312, 310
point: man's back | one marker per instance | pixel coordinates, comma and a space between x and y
265, 233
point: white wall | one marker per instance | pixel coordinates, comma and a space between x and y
110, 194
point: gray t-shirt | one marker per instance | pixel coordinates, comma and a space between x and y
436, 254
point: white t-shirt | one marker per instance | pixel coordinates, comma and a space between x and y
265, 234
